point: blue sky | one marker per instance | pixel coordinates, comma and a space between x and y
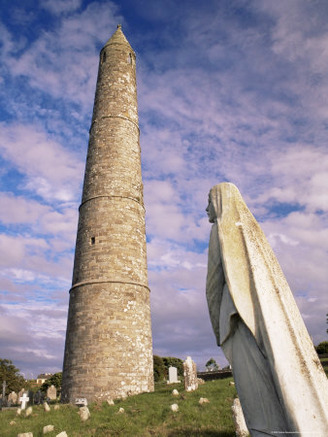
228, 90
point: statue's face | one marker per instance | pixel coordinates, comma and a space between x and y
211, 211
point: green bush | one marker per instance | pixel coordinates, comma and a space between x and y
322, 347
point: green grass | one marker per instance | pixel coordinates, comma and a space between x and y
145, 415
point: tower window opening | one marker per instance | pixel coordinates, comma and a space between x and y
130, 58
103, 59
92, 240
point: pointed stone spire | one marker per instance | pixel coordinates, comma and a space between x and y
118, 37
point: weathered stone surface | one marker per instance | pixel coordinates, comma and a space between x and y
25, 434
46, 406
239, 419
57, 407
62, 434
203, 401
174, 407
48, 428
13, 397
84, 413
52, 393
281, 384
190, 375
175, 392
28, 411
19, 411
121, 410
173, 375
109, 323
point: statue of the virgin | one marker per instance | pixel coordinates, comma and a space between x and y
279, 379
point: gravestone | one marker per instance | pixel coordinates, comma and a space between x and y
190, 375
48, 428
239, 419
31, 396
12, 398
84, 413
24, 400
21, 392
81, 402
38, 397
173, 375
52, 393
29, 411
3, 401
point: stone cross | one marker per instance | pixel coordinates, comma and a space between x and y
24, 399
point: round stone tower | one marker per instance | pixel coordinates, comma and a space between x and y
108, 351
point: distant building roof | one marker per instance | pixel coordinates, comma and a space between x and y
44, 376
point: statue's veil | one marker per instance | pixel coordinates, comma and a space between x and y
266, 305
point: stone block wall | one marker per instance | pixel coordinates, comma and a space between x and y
108, 351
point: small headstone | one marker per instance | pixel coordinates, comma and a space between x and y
200, 381
175, 392
190, 375
12, 398
173, 375
231, 383
239, 419
121, 410
56, 407
174, 407
84, 413
110, 402
203, 401
21, 392
19, 411
3, 397
25, 434
48, 428
46, 406
24, 400
62, 434
12, 422
29, 411
81, 402
31, 396
38, 397
52, 393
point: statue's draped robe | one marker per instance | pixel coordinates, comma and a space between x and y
279, 378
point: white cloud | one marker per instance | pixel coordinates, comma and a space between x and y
53, 172
63, 62
61, 6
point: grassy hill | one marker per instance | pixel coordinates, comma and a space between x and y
148, 414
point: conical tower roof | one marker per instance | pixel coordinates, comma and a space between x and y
118, 37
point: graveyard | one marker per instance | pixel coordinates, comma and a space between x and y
147, 414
